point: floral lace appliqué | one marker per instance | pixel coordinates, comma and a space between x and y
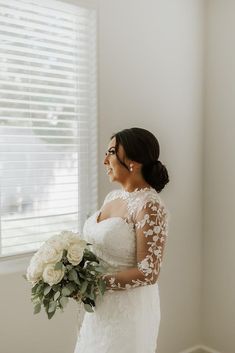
151, 233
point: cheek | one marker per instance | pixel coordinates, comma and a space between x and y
115, 163
118, 169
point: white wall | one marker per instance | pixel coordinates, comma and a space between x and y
23, 332
219, 191
150, 75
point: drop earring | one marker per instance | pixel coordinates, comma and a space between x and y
131, 167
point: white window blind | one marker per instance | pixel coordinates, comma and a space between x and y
47, 120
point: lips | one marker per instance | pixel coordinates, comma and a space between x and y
109, 170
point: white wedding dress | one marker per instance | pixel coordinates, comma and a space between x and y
130, 246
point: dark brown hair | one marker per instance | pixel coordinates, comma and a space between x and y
142, 146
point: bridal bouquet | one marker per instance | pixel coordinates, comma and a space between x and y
64, 268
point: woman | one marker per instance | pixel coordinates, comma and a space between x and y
128, 234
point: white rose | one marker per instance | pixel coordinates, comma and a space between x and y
75, 252
52, 276
35, 269
50, 254
63, 240
57, 243
70, 237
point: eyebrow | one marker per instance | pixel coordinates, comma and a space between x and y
111, 147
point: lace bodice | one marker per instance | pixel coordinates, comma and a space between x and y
131, 244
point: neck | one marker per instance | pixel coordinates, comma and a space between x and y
131, 185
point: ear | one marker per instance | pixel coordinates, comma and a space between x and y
134, 166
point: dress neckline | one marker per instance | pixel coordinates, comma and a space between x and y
98, 213
147, 188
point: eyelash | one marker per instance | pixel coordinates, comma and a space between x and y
110, 152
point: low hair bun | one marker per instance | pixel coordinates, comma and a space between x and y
156, 174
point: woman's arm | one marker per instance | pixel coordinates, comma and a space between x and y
151, 234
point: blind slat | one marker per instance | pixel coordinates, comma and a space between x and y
50, 9
38, 217
33, 120
16, 76
36, 16
25, 21
55, 49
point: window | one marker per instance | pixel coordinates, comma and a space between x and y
47, 120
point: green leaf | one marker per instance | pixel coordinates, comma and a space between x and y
34, 288
56, 296
69, 267
101, 286
100, 269
52, 307
50, 315
92, 295
82, 275
63, 301
73, 276
47, 290
88, 308
89, 255
58, 266
84, 287
71, 286
55, 287
66, 291
37, 308
40, 287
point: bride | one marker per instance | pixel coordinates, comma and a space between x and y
128, 234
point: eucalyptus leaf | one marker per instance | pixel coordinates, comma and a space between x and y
73, 276
52, 307
40, 295
34, 288
84, 287
58, 266
57, 295
66, 291
92, 295
40, 287
50, 315
101, 286
88, 255
71, 286
47, 290
37, 308
82, 275
100, 269
88, 308
89, 279
55, 287
63, 301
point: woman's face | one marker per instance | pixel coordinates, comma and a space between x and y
115, 170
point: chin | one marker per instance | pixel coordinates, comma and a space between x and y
112, 178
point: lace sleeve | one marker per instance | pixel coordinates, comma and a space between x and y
151, 234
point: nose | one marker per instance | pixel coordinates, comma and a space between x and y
106, 161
